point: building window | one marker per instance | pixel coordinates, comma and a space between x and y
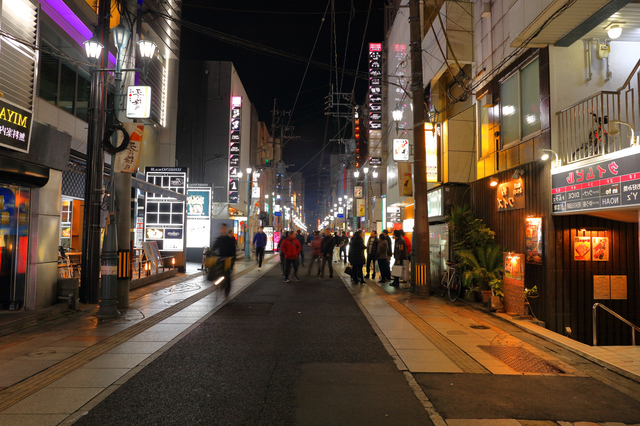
484, 141
520, 104
63, 84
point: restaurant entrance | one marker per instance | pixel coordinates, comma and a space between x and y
14, 239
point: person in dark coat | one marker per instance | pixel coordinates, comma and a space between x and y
300, 239
385, 234
343, 247
372, 247
356, 257
399, 253
383, 260
328, 244
260, 242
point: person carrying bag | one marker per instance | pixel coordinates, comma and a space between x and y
399, 255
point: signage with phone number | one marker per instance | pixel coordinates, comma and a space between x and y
596, 186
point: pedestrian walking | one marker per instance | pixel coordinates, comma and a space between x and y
372, 247
316, 252
356, 257
336, 248
291, 248
383, 260
399, 255
328, 245
300, 239
344, 242
406, 264
259, 243
225, 246
283, 237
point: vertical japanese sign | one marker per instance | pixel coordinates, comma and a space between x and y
375, 98
431, 141
234, 149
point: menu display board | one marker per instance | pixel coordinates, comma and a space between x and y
199, 216
533, 240
609, 183
165, 216
601, 287
513, 267
618, 287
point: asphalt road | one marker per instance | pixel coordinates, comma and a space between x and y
279, 353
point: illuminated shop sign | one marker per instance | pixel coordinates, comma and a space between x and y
138, 102
606, 184
401, 149
15, 126
165, 216
434, 203
199, 216
431, 140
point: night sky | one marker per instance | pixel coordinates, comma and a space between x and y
290, 27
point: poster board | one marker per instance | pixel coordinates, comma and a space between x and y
533, 240
581, 248
601, 287
600, 249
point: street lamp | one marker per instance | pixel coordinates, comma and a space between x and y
397, 114
247, 247
109, 258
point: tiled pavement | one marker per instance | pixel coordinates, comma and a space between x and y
53, 377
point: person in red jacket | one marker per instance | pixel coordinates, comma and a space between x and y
290, 248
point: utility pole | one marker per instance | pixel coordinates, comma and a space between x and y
421, 223
90, 274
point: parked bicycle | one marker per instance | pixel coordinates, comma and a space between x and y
451, 282
598, 140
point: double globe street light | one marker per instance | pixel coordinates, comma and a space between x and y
97, 125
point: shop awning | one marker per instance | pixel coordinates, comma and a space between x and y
155, 189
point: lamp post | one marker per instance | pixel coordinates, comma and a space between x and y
397, 114
109, 266
247, 247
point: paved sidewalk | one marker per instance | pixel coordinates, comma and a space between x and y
53, 373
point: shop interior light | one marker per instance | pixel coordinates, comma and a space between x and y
493, 181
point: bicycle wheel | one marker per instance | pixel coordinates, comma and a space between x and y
443, 283
455, 288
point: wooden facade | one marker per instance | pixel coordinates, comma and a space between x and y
565, 285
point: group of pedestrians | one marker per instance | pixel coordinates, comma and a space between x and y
329, 249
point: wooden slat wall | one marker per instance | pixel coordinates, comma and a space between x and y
565, 286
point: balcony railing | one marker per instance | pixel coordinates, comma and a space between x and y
585, 128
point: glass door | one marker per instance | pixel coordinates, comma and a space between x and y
66, 217
14, 240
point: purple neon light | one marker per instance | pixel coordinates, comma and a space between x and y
70, 23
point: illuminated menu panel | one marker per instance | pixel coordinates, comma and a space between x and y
600, 185
165, 216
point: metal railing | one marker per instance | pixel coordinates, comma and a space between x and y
634, 327
584, 127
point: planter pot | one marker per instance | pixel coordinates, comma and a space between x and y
486, 296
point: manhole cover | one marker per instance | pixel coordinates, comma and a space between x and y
246, 309
479, 327
520, 359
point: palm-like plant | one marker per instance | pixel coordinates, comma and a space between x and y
481, 265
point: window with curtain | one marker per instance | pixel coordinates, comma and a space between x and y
520, 104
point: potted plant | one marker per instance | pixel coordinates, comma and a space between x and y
481, 267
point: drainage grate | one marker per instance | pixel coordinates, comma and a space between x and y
246, 309
520, 359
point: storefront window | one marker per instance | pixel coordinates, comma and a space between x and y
520, 104
66, 217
